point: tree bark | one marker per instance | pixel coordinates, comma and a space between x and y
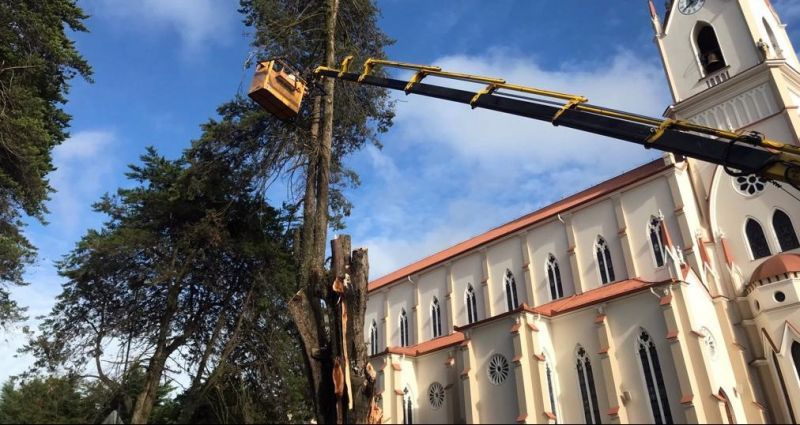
353, 270
306, 307
147, 397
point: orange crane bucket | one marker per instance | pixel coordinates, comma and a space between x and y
278, 89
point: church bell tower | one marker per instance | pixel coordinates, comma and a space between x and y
730, 64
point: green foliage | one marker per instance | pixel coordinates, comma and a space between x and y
191, 260
69, 399
37, 60
49, 400
270, 148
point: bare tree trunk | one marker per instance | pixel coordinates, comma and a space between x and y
146, 398
306, 307
353, 271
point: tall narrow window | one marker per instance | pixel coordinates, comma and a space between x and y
756, 239
472, 305
796, 356
773, 41
727, 404
654, 380
784, 230
436, 318
373, 339
656, 240
511, 290
591, 410
554, 278
786, 398
407, 407
604, 261
708, 46
403, 328
551, 390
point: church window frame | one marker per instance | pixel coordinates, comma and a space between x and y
794, 349
726, 402
655, 233
436, 395
653, 378
586, 383
783, 228
554, 281
403, 323
552, 388
605, 265
408, 407
510, 285
777, 51
705, 47
757, 242
470, 299
373, 338
498, 369
436, 318
786, 399
710, 343
750, 185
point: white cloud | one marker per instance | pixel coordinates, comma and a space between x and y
448, 172
196, 22
84, 164
494, 139
87, 166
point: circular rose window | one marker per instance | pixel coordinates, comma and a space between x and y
436, 395
498, 369
750, 185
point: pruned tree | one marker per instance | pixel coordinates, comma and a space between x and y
37, 61
309, 154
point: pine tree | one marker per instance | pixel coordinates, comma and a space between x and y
37, 61
335, 121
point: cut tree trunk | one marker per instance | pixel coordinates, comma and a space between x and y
351, 270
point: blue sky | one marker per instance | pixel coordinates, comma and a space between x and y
446, 173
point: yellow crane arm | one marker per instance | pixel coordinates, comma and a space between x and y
743, 153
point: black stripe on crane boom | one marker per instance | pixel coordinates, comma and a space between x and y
741, 156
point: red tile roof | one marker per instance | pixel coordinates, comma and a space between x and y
777, 265
429, 345
594, 296
580, 198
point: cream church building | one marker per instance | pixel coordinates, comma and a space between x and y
670, 293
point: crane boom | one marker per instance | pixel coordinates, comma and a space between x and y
740, 153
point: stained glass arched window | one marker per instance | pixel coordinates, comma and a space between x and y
436, 318
591, 409
407, 407
554, 278
756, 239
404, 341
654, 380
784, 230
511, 290
656, 240
551, 388
604, 263
373, 339
782, 382
472, 305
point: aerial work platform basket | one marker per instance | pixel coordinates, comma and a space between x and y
278, 88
